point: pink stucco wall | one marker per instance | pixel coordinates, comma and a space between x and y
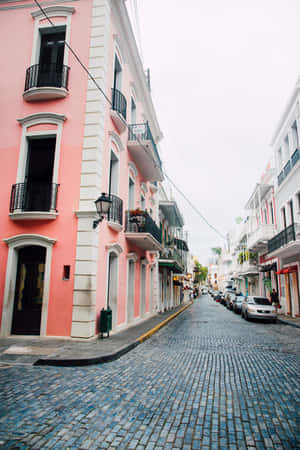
19, 25
108, 235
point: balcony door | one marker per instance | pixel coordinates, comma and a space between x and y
51, 59
113, 187
39, 173
28, 298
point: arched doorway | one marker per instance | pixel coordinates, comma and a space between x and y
29, 290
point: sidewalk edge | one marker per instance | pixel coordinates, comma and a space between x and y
286, 322
86, 361
149, 333
77, 362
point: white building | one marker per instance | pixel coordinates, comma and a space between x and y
285, 245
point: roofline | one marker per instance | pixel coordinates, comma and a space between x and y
288, 106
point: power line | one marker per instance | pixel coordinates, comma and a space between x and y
138, 139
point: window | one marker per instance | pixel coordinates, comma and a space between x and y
47, 76
265, 216
272, 212
283, 217
133, 111
295, 136
113, 187
117, 75
36, 185
291, 208
143, 202
279, 158
131, 188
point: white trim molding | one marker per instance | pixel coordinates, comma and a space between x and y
14, 244
133, 256
133, 169
52, 11
114, 247
115, 138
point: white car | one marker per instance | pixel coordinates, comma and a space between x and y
204, 291
257, 307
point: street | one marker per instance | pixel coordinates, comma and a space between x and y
207, 380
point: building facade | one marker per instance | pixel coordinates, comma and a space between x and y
65, 139
285, 245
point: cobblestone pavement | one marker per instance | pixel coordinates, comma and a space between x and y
208, 380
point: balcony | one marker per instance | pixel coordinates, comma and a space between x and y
258, 240
46, 82
289, 166
142, 231
248, 268
144, 151
172, 258
118, 110
30, 201
287, 241
115, 214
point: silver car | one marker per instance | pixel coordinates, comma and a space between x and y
257, 307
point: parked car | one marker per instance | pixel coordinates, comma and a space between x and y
218, 297
231, 296
257, 307
204, 291
237, 303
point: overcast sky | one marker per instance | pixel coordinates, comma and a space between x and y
221, 74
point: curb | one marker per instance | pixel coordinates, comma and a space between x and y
286, 322
77, 362
149, 333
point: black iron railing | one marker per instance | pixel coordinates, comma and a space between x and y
50, 75
33, 197
281, 239
119, 102
141, 131
115, 213
170, 252
288, 167
138, 221
295, 157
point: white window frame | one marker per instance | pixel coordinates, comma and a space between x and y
42, 24
40, 119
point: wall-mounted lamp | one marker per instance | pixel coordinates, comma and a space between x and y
103, 204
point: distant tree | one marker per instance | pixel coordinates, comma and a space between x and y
217, 250
238, 220
200, 272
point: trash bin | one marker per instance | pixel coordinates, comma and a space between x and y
105, 321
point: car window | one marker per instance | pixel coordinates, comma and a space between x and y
261, 301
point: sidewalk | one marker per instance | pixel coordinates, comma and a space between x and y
288, 320
65, 352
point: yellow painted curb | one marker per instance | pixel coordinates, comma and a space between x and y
162, 324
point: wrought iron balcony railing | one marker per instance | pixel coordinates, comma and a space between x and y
119, 102
172, 253
138, 221
115, 213
141, 131
283, 238
295, 157
33, 197
288, 167
50, 75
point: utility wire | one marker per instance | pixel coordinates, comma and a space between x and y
127, 126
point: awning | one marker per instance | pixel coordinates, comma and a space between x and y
268, 267
291, 269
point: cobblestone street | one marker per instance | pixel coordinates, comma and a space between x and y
207, 380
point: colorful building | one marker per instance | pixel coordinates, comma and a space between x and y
66, 139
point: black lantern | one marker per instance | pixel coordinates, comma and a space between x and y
102, 206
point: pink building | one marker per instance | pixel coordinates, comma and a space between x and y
63, 143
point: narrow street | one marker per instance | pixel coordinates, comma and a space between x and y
207, 380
